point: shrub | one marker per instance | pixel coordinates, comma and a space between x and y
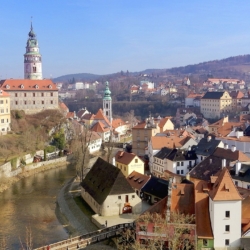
50, 149
13, 163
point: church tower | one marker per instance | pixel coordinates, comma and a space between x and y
107, 103
32, 58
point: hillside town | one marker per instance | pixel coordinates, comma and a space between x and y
182, 178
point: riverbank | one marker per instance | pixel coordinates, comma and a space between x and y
8, 181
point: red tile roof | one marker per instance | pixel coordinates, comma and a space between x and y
3, 94
99, 127
137, 180
224, 188
124, 157
27, 85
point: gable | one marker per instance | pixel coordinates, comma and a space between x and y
103, 180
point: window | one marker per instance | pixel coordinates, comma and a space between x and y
119, 197
51, 94
42, 102
16, 102
25, 102
136, 160
133, 196
15, 94
42, 94
2, 110
248, 186
25, 94
142, 228
236, 183
227, 242
34, 69
34, 94
1, 102
182, 171
178, 171
2, 120
34, 102
227, 214
178, 164
182, 163
227, 228
51, 102
107, 105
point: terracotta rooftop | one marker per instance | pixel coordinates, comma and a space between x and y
124, 157
117, 123
137, 180
224, 188
28, 85
230, 155
202, 215
100, 116
100, 127
3, 93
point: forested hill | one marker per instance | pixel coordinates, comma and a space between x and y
235, 66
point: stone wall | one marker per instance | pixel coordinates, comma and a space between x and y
7, 172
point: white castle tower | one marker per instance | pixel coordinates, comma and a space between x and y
32, 58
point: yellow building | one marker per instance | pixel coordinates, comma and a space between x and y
4, 112
128, 162
216, 104
142, 132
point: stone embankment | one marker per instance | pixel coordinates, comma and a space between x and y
10, 177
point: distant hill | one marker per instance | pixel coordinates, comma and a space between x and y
234, 67
77, 77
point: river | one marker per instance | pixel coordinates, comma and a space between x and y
31, 203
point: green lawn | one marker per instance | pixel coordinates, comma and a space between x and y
86, 209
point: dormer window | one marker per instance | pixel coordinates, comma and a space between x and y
7, 86
50, 86
22, 86
37, 87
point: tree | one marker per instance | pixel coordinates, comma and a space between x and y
155, 231
59, 139
175, 231
79, 146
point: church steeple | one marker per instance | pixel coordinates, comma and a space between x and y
107, 103
32, 57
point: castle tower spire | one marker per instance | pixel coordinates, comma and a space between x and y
32, 57
107, 103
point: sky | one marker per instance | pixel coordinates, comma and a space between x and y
107, 36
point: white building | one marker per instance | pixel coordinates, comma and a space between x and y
225, 212
107, 191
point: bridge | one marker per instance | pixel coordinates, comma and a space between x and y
80, 242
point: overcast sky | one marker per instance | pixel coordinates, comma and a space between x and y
107, 36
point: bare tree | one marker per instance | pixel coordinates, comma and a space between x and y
28, 245
80, 148
155, 232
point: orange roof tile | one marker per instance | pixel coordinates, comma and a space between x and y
224, 188
70, 115
202, 215
124, 157
99, 127
137, 180
117, 123
100, 116
163, 121
63, 106
27, 85
230, 155
182, 198
3, 93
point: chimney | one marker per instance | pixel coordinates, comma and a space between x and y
237, 167
233, 148
188, 176
225, 146
224, 163
209, 138
113, 161
211, 160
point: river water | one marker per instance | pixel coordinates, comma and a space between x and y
31, 203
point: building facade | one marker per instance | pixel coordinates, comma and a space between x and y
4, 112
32, 96
216, 104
